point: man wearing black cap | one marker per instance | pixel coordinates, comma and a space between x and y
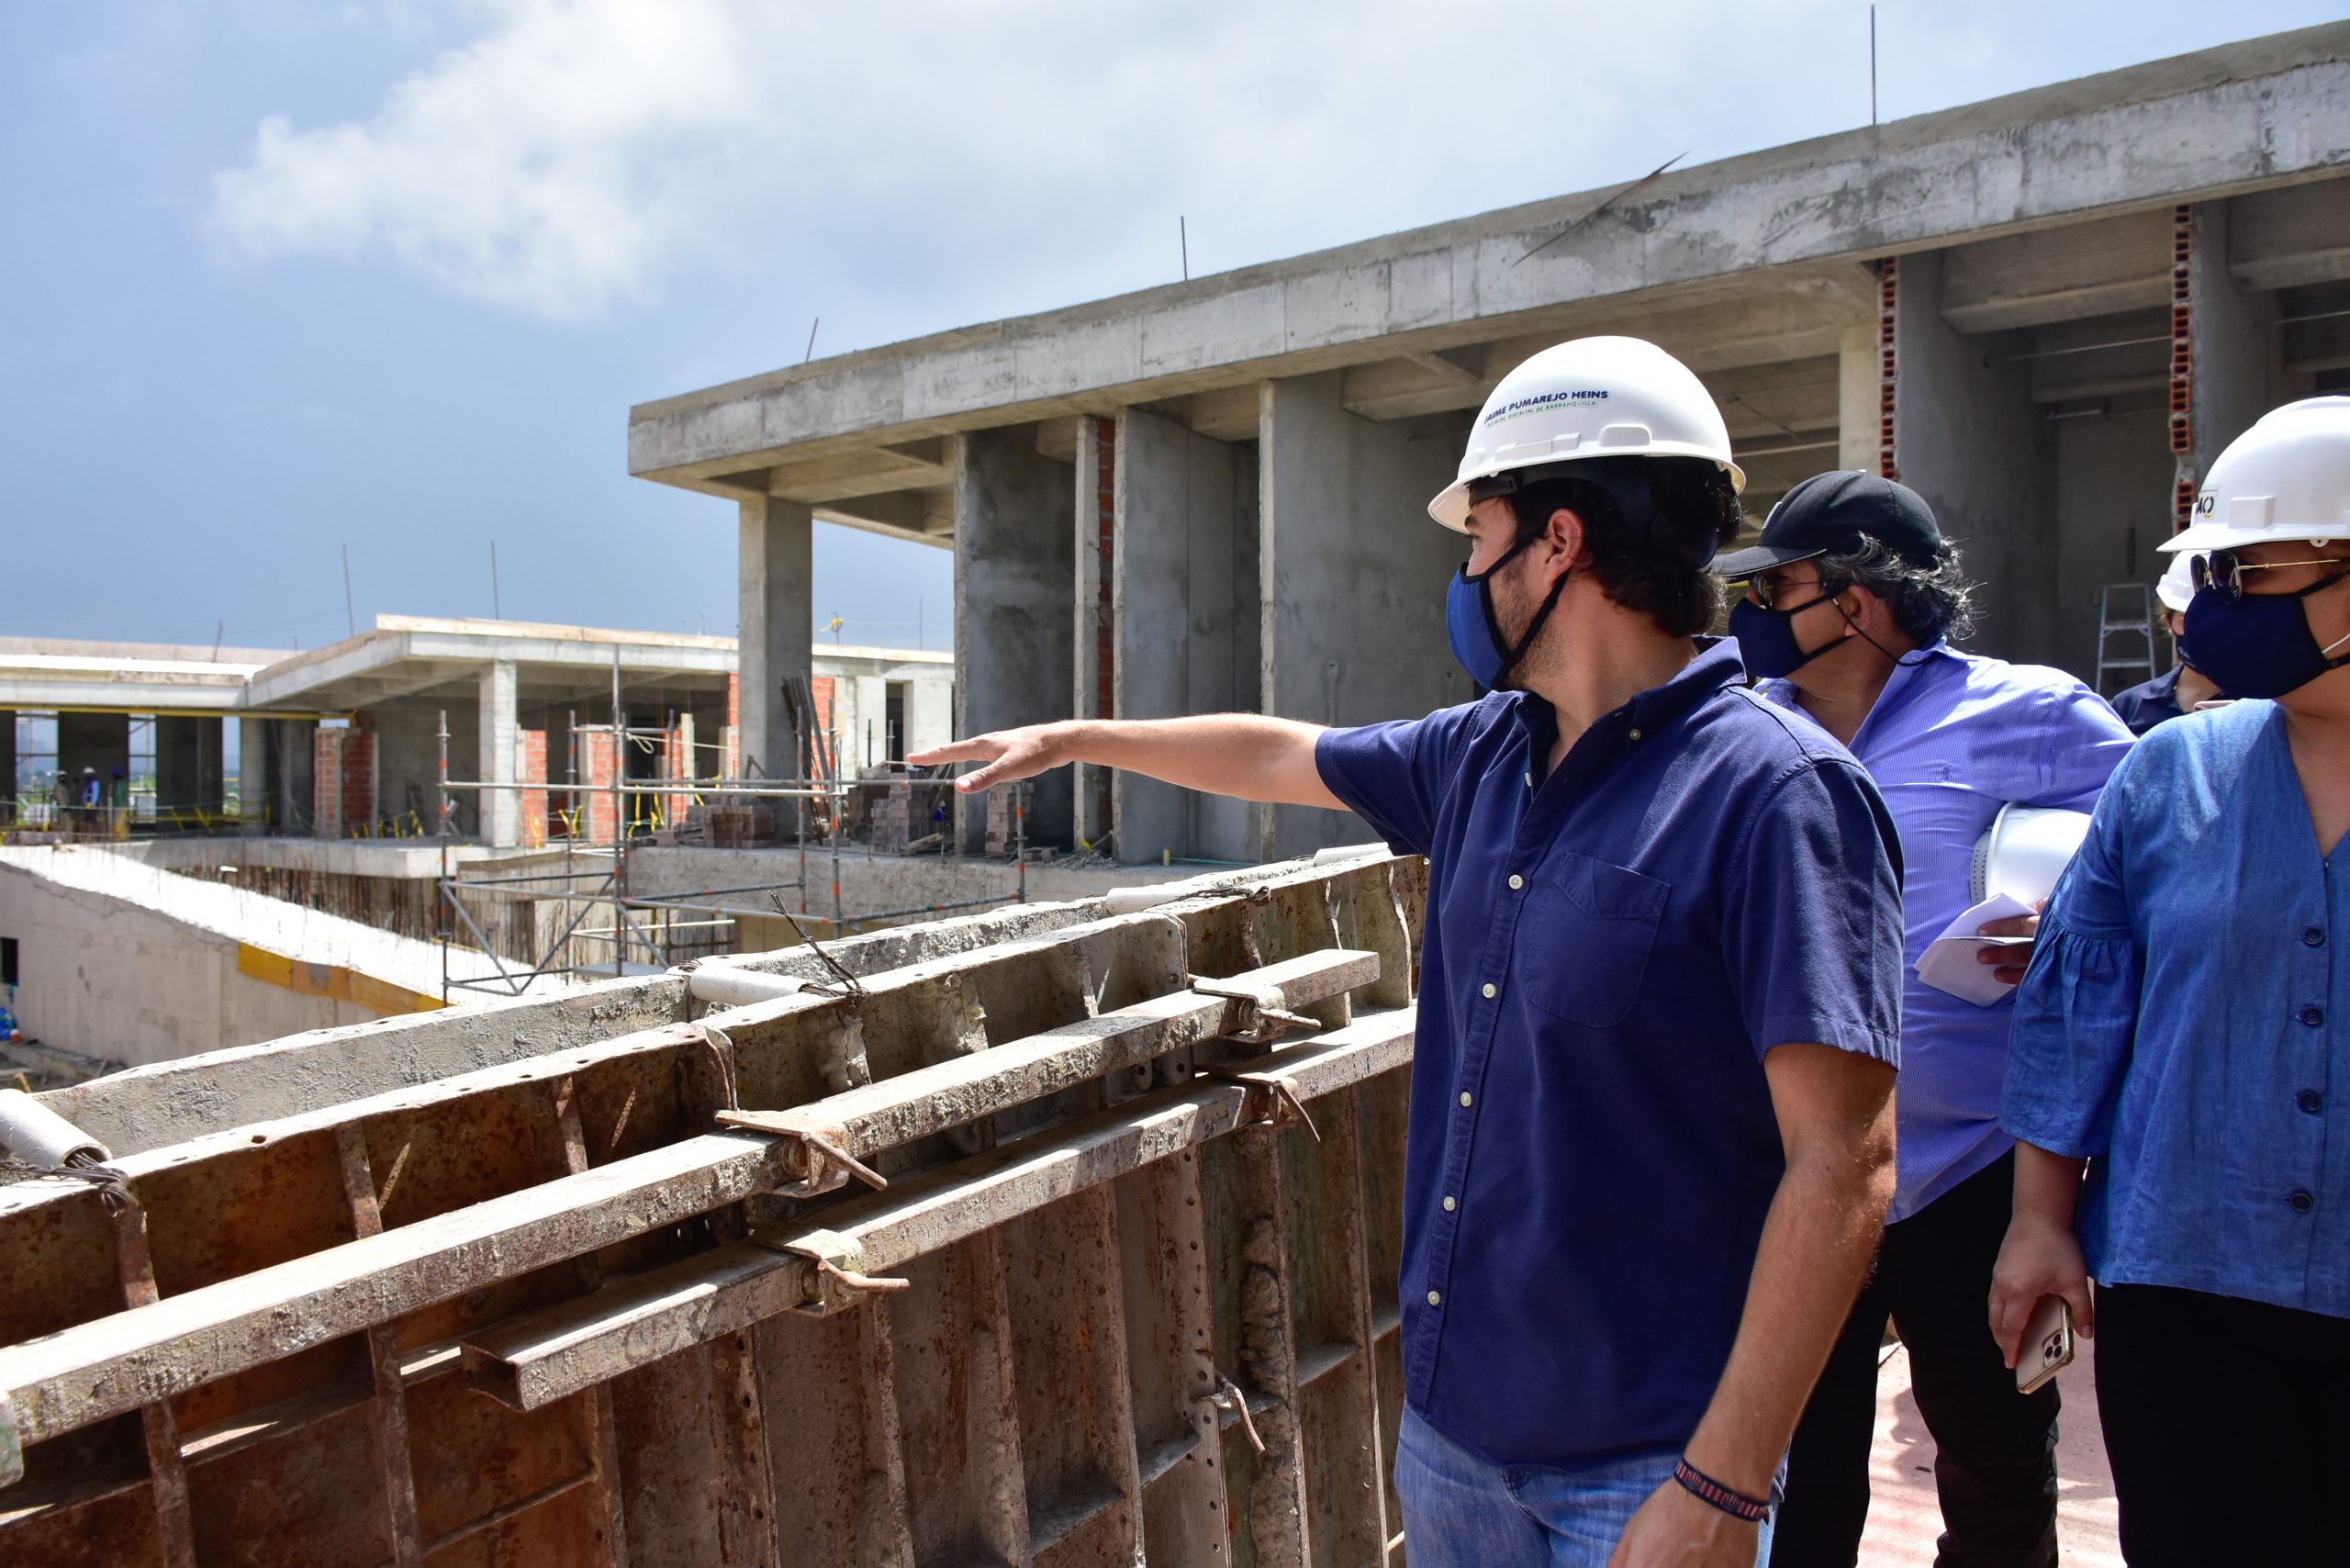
1852, 599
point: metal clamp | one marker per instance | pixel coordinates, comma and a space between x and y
1231, 1400
818, 1158
1264, 1014
1273, 1100
839, 1281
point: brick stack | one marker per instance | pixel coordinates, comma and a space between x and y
343, 797
892, 821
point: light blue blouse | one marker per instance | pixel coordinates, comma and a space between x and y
2186, 1023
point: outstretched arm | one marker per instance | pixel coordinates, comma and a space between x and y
1246, 755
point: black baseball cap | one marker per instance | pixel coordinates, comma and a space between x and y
1830, 514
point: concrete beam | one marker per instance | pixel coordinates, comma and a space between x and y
2059, 273
1351, 576
2290, 237
1014, 559
498, 811
777, 620
1185, 624
1968, 439
2246, 116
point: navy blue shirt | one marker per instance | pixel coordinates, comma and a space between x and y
1610, 951
2149, 702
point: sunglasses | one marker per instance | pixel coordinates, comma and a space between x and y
2221, 572
1768, 593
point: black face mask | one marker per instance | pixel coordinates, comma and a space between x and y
1766, 639
2260, 644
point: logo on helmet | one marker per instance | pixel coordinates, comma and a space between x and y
1578, 396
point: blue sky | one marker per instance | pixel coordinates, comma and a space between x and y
282, 276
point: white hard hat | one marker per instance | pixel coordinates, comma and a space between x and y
1590, 397
2024, 851
2286, 478
2178, 585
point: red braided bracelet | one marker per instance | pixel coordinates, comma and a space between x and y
1738, 1504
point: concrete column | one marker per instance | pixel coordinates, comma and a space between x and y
1353, 576
295, 775
1185, 621
8, 785
1857, 387
930, 710
2237, 374
499, 810
777, 625
252, 776
1968, 438
1092, 658
1014, 644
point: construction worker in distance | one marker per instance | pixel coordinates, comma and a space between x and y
2182, 689
1651, 1120
1853, 601
2184, 1033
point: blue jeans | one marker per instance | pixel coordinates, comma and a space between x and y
1462, 1511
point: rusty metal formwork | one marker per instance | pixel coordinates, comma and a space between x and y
1126, 1293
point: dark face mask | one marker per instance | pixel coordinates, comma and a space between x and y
1475, 630
2260, 644
1766, 639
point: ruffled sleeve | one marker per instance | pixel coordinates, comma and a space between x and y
2076, 1011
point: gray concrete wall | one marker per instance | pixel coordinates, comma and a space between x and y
2113, 475
1968, 438
2238, 372
1353, 576
107, 979
187, 763
293, 774
408, 763
1014, 645
1185, 620
777, 622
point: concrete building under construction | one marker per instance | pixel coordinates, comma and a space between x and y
2044, 312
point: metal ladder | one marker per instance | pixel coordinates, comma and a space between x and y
2124, 610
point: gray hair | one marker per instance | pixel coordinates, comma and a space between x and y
1928, 603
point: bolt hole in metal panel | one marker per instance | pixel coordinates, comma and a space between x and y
540, 1311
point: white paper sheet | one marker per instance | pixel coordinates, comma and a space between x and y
1949, 964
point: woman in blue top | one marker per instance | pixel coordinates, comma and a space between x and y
2184, 1033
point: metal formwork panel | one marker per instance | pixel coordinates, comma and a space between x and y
614, 1304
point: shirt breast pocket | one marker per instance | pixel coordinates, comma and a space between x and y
1584, 943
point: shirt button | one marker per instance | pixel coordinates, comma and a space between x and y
1517, 882
2314, 937
1491, 993
2302, 1202
1449, 1204
2313, 1016
2309, 1100
1529, 779
1435, 1297
1467, 1099
1635, 734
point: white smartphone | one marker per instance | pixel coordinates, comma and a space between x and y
2047, 1344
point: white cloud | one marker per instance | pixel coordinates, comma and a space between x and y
583, 150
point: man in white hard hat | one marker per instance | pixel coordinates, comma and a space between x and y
1854, 600
2181, 689
2184, 1034
1651, 1113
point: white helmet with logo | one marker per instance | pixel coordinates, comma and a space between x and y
2286, 478
2177, 587
1590, 397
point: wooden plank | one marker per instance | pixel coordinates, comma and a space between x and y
966, 1089
548, 1355
112, 1364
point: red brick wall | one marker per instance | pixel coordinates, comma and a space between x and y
531, 767
822, 688
343, 795
594, 800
